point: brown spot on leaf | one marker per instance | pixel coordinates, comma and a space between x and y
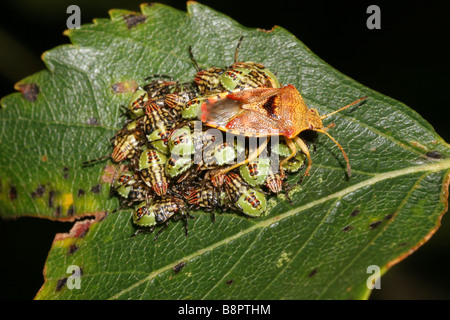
51, 197
29, 91
374, 225
44, 158
58, 212
39, 192
229, 281
12, 192
347, 228
125, 86
93, 122
178, 267
60, 284
79, 230
80, 192
133, 19
96, 189
71, 211
312, 273
82, 229
354, 213
72, 249
388, 216
434, 155
65, 172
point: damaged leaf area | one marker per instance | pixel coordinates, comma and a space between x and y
318, 247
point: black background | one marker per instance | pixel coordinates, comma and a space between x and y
407, 59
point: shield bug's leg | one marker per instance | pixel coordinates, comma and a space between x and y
215, 195
287, 197
144, 230
185, 215
305, 150
286, 194
121, 207
250, 158
186, 226
180, 125
288, 188
159, 76
294, 150
89, 162
123, 111
164, 227
138, 231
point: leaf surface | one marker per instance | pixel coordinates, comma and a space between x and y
319, 247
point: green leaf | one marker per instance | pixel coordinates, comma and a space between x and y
320, 247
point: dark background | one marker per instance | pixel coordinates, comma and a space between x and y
407, 60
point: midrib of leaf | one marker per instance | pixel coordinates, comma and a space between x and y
432, 167
373, 179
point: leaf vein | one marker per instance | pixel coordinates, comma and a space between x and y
432, 167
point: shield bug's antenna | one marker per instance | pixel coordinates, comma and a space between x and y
237, 49
193, 59
89, 162
343, 108
329, 136
349, 170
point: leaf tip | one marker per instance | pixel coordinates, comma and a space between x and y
267, 31
115, 14
145, 6
191, 5
67, 32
